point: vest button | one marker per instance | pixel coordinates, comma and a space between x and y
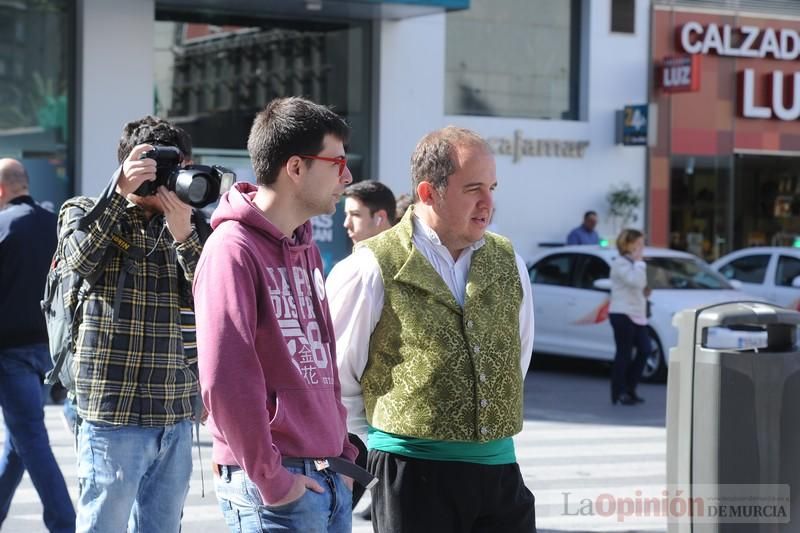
476, 348
484, 430
484, 403
469, 323
482, 377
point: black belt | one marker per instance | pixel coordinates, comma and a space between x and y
334, 464
338, 465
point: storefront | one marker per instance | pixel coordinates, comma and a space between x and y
725, 173
519, 73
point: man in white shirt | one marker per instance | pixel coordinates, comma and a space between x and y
434, 330
369, 208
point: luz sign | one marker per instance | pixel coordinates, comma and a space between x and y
781, 95
680, 73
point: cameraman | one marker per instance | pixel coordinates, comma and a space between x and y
134, 385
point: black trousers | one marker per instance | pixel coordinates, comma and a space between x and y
626, 372
421, 496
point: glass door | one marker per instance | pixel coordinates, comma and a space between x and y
700, 199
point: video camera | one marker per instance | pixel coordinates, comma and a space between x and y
196, 185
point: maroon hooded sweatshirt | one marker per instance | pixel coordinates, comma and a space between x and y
266, 348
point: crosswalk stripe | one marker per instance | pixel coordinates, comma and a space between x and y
584, 460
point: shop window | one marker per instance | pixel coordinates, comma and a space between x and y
553, 270
748, 269
767, 200
37, 55
700, 197
623, 16
788, 269
212, 76
531, 69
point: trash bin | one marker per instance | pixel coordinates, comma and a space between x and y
733, 419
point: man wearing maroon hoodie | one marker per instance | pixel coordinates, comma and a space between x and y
266, 346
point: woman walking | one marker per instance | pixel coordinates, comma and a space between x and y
628, 316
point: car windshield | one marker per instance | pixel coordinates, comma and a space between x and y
682, 273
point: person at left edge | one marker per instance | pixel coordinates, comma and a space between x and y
27, 243
134, 385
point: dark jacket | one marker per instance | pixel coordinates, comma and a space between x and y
27, 243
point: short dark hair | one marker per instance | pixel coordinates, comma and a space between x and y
375, 195
433, 159
287, 127
587, 214
153, 130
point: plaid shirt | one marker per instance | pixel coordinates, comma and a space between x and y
134, 372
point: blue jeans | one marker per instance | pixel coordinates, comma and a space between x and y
132, 476
27, 446
245, 512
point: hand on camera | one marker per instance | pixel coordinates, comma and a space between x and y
177, 214
136, 170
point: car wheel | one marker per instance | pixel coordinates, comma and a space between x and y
655, 367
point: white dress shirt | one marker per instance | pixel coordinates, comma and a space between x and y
355, 297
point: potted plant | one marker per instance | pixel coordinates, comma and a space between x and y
623, 203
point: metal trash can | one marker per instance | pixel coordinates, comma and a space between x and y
733, 419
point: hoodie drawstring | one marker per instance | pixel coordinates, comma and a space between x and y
321, 318
286, 249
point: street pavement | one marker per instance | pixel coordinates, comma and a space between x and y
575, 450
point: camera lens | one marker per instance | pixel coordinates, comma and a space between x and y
198, 189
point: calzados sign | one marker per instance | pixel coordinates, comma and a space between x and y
758, 43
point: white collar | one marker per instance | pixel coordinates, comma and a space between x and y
426, 232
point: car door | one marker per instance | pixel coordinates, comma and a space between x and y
751, 271
589, 329
551, 279
783, 293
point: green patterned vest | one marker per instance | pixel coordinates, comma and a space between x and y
437, 371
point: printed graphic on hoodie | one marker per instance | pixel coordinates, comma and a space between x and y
298, 323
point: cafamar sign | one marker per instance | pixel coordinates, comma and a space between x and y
783, 89
517, 147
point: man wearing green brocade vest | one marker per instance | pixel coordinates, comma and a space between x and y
434, 333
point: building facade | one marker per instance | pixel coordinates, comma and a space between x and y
725, 173
543, 81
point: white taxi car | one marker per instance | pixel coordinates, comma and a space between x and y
771, 272
571, 299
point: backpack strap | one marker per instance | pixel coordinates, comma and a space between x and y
102, 201
128, 267
131, 254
